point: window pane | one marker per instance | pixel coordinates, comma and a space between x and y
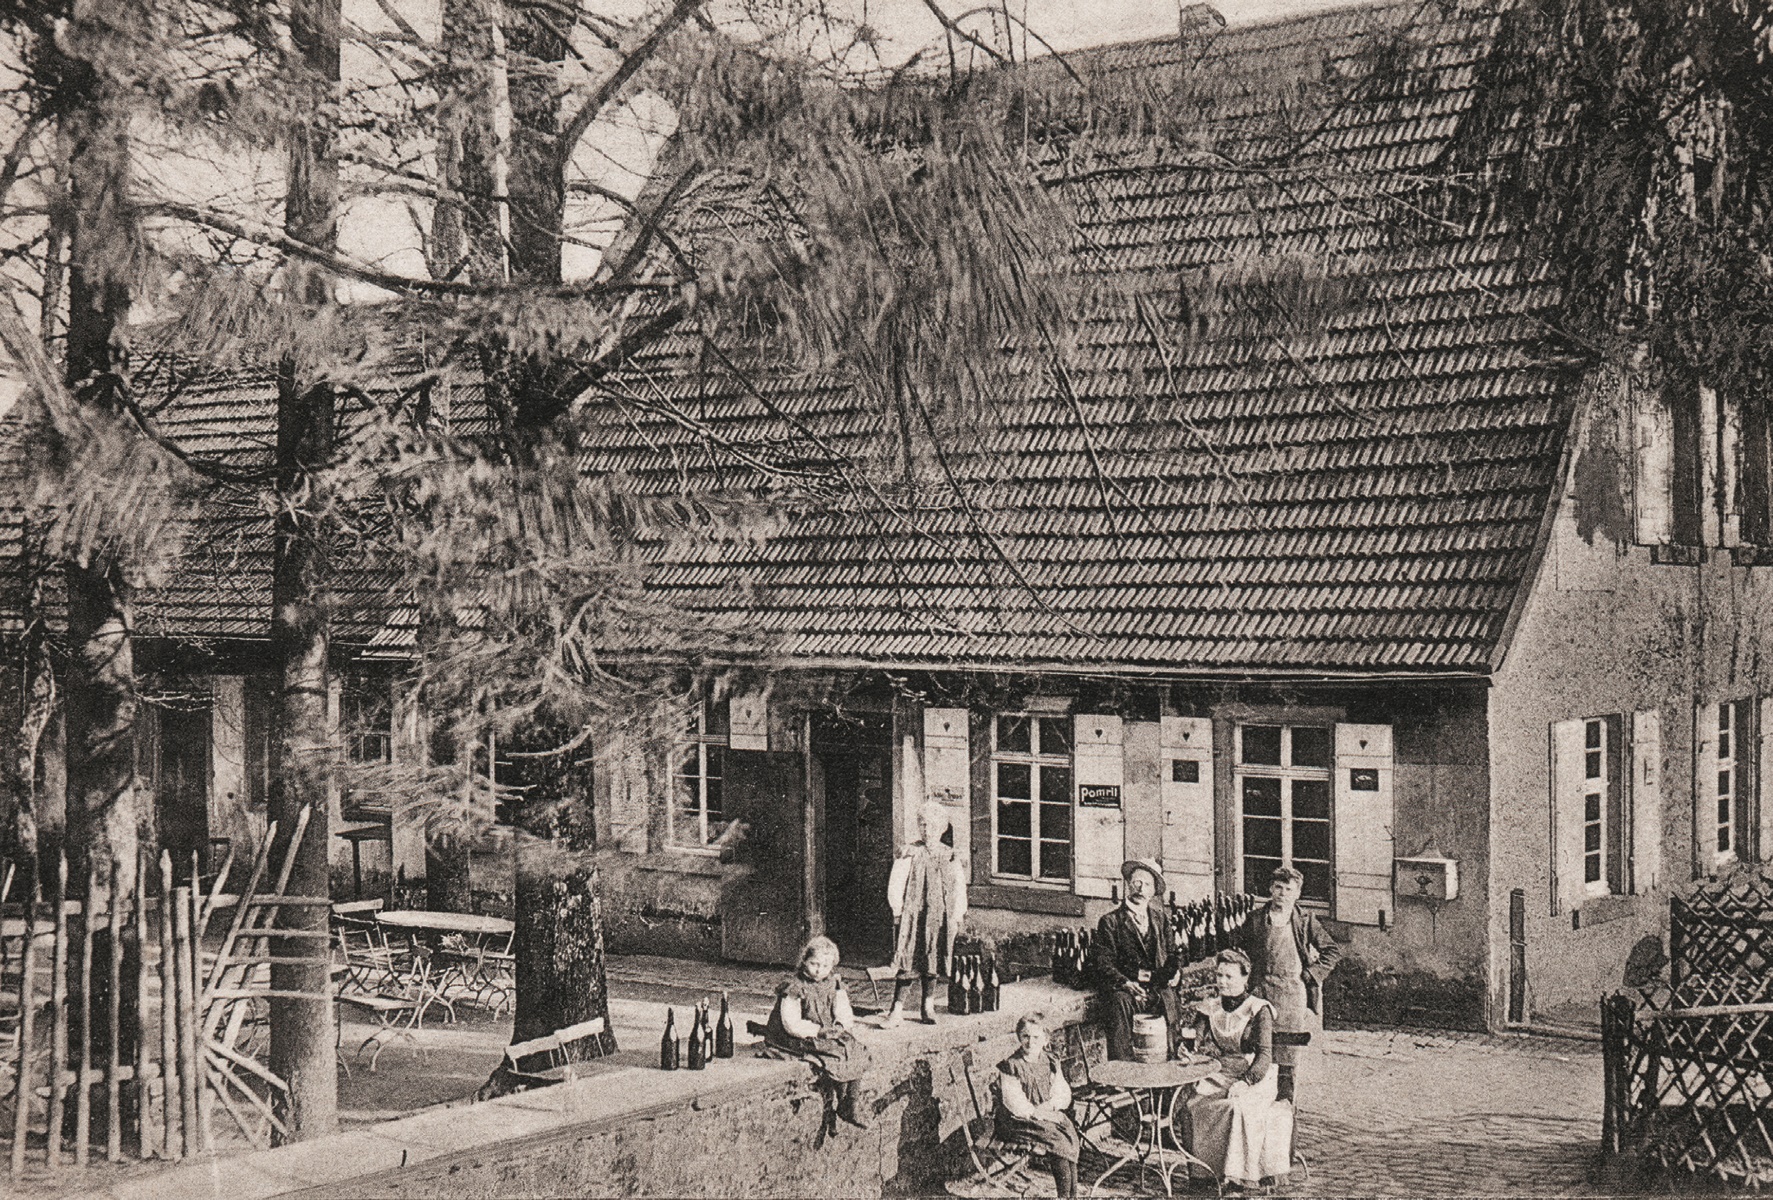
1723, 810
1015, 856
1591, 807
1055, 860
1317, 881
1592, 767
715, 711
1055, 821
1015, 820
1262, 837
1257, 872
1724, 788
1055, 735
1723, 837
1591, 868
1055, 785
1591, 838
716, 805
1013, 735
1311, 839
1311, 746
1311, 799
1592, 735
716, 761
1262, 797
1013, 781
1262, 745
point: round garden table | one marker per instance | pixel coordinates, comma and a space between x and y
1152, 1089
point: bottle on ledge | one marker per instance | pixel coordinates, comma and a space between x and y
723, 1034
668, 1047
708, 1026
957, 986
975, 989
993, 989
698, 1046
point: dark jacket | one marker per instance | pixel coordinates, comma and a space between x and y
1119, 951
1318, 951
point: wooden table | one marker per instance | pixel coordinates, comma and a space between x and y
472, 924
1152, 1088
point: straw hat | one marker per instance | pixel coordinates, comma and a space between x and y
1150, 868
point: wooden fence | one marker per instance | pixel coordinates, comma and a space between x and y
136, 1019
1689, 1062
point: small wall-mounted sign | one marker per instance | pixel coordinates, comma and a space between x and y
1184, 770
1363, 779
1099, 795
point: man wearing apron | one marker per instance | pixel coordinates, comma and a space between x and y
1290, 956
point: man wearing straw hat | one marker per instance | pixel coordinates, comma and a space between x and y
1131, 960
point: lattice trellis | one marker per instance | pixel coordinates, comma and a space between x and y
1689, 1064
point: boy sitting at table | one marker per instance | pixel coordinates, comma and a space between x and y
812, 1020
1032, 1097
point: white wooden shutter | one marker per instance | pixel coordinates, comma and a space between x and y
1100, 829
1646, 800
948, 773
748, 721
1567, 781
1185, 776
1711, 475
1764, 790
1730, 469
623, 764
1705, 788
1362, 819
1653, 444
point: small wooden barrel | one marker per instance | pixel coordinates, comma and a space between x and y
1151, 1039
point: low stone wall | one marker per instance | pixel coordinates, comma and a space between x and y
748, 1127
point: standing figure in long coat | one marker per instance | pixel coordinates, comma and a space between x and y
927, 892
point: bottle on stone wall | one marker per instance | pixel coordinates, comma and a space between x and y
957, 987
975, 989
1053, 960
708, 1026
1062, 971
993, 989
698, 1046
668, 1044
723, 1034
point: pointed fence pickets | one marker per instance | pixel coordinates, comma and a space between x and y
1689, 1063
81, 1076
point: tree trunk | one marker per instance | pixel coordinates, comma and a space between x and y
561, 978
302, 1050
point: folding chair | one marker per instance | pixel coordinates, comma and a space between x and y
554, 1057
1093, 1106
393, 1016
999, 1163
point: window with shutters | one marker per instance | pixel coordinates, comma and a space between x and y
698, 808
1704, 472
1729, 790
1031, 786
1592, 795
1283, 789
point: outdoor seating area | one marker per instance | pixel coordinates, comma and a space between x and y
394, 968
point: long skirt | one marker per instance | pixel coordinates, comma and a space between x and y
1239, 1137
839, 1056
1058, 1139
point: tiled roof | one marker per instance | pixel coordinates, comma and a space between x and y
1360, 495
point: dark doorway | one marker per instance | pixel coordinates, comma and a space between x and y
855, 752
181, 785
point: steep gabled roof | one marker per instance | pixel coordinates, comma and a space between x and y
1360, 493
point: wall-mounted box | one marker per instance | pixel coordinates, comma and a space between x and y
1425, 878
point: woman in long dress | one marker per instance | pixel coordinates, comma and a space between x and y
927, 892
1232, 1108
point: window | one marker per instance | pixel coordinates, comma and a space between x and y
698, 809
1731, 789
1704, 471
1031, 789
1600, 838
366, 716
1283, 785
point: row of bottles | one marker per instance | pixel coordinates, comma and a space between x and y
975, 986
708, 1038
1198, 929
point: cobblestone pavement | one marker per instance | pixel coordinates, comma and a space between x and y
1416, 1113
